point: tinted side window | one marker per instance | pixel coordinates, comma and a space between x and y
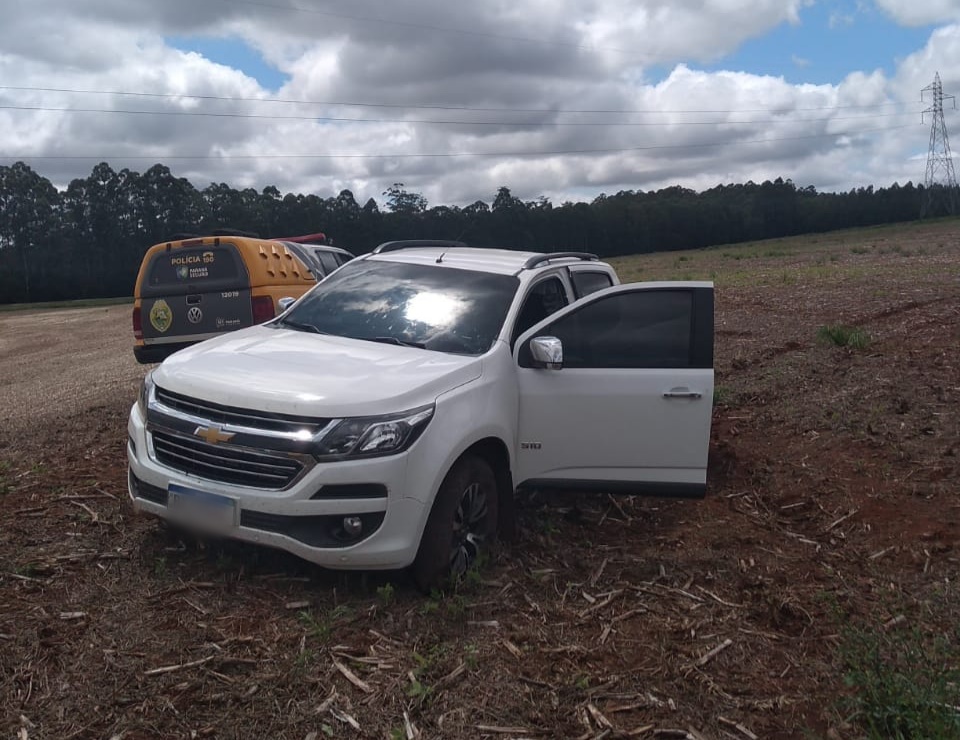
641, 329
545, 298
327, 260
585, 283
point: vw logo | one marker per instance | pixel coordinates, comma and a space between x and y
195, 315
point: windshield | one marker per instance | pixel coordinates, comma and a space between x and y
436, 308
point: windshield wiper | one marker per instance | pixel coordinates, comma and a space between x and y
299, 326
395, 340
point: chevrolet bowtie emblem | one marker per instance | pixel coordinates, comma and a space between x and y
213, 435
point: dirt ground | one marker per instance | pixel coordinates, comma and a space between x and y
832, 512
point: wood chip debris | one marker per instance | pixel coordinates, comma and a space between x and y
737, 726
600, 604
326, 703
352, 677
842, 519
94, 516
180, 666
721, 601
899, 619
598, 716
345, 718
409, 728
514, 650
452, 676
599, 572
491, 623
497, 730
710, 655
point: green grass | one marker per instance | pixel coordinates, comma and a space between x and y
317, 627
817, 256
904, 686
321, 626
85, 303
386, 594
722, 395
844, 336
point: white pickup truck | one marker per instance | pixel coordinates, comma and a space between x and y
387, 418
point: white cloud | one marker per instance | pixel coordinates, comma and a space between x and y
921, 13
577, 55
840, 20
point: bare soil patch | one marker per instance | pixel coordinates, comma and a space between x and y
832, 504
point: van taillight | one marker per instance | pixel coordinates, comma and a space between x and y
262, 308
137, 324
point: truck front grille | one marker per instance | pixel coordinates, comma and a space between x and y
237, 465
219, 414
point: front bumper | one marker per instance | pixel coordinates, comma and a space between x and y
305, 519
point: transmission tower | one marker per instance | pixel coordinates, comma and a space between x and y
940, 185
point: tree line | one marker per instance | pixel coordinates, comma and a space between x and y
87, 241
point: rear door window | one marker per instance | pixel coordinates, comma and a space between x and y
585, 283
327, 260
194, 270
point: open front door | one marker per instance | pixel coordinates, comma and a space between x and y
629, 408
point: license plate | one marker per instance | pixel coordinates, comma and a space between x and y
202, 508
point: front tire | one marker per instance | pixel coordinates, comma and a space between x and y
462, 525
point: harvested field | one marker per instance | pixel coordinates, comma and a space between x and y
827, 548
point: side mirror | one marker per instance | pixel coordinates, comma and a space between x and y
547, 352
285, 303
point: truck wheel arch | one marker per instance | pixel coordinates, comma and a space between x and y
494, 451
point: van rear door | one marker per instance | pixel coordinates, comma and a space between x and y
194, 292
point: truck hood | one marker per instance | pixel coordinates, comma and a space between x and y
294, 372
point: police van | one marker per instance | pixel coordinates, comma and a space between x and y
193, 288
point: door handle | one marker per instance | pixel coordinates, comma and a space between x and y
682, 393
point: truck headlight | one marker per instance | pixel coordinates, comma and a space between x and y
371, 436
146, 391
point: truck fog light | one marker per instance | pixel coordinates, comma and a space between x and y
352, 525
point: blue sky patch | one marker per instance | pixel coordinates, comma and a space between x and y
232, 52
833, 39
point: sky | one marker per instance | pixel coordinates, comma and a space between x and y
565, 99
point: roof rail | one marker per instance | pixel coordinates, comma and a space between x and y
539, 259
302, 239
412, 243
233, 232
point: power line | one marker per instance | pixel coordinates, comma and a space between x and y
355, 104
336, 119
440, 155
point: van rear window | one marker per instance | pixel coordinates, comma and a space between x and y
199, 267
